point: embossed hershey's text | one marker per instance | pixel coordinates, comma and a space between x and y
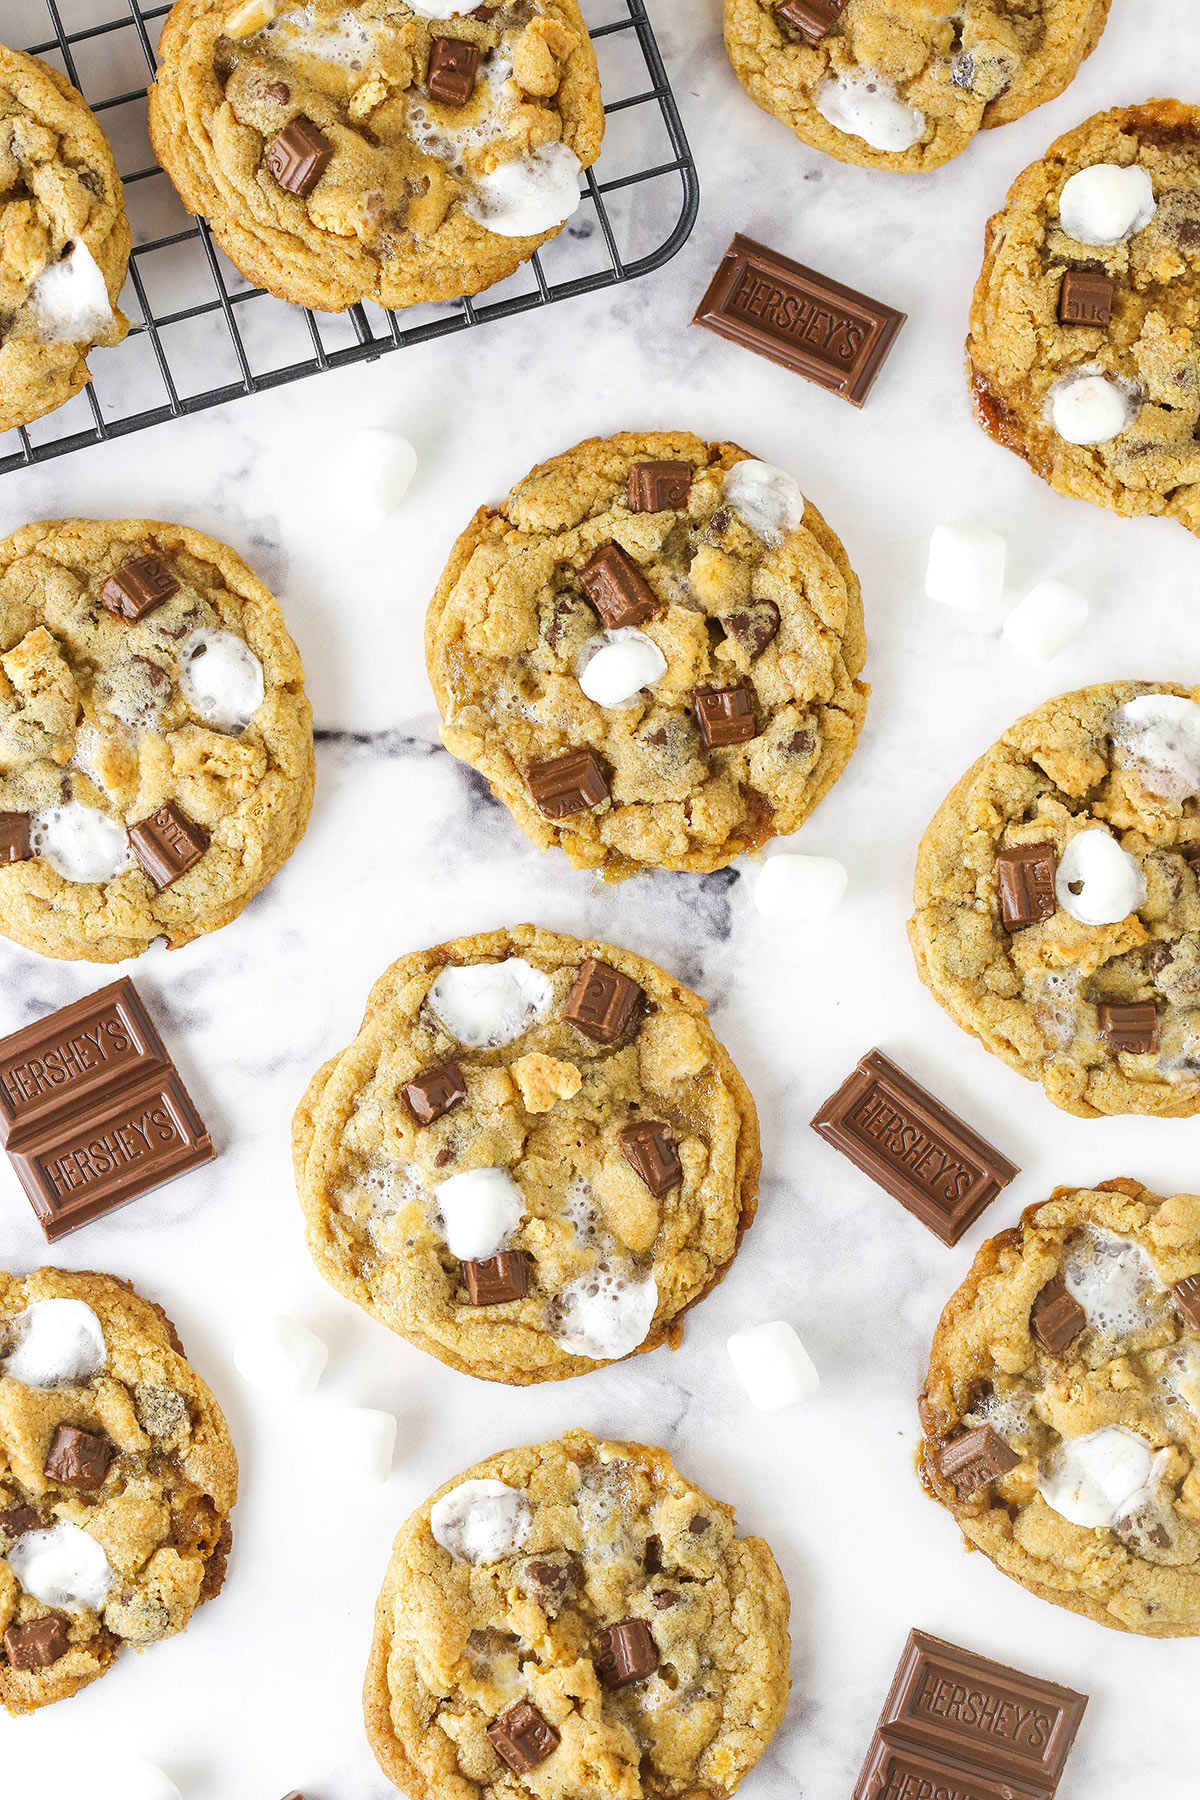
834, 336
909, 1146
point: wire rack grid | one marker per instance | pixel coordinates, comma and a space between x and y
202, 335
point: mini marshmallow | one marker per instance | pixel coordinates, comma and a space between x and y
766, 498
866, 106
56, 1343
440, 9
1160, 735
69, 300
485, 1005
1106, 203
1110, 882
81, 843
528, 195
966, 567
62, 1567
361, 1444
479, 1208
378, 467
795, 888
773, 1366
1046, 620
1089, 409
606, 1315
220, 676
620, 665
481, 1521
279, 1353
130, 1778
1090, 1480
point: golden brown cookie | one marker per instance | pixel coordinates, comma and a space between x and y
902, 84
1062, 1406
1085, 326
576, 1618
351, 150
156, 755
1057, 909
117, 1478
64, 239
534, 1158
692, 569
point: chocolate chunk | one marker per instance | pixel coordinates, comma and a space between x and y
571, 783
551, 1581
1143, 1528
298, 156
1086, 297
168, 844
453, 66
18, 1520
14, 837
813, 19
431, 1094
96, 1044
724, 715
664, 1599
625, 1653
1056, 1317
652, 1154
659, 486
971, 1461
898, 1771
698, 1524
753, 629
796, 317
37, 1643
138, 587
1025, 875
617, 588
602, 1002
217, 1565
1133, 1029
278, 91
913, 1146
79, 1459
496, 1279
1187, 1299
800, 743
522, 1737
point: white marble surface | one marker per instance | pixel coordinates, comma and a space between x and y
261, 1694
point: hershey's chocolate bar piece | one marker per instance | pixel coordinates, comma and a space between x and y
813, 19
1187, 1299
625, 1652
567, 784
78, 1459
1133, 1029
617, 588
1017, 1727
659, 486
914, 1147
974, 1459
95, 1045
493, 1280
653, 1154
453, 66
37, 1643
899, 1771
724, 715
753, 629
796, 317
1190, 854
1086, 297
298, 156
18, 1520
14, 837
137, 587
522, 1737
1056, 1317
1025, 874
602, 1001
168, 844
431, 1094
91, 1160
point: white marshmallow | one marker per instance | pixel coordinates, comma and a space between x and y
56, 1343
440, 9
794, 888
606, 1315
528, 195
69, 300
1089, 409
378, 468
1090, 1480
279, 1353
1106, 203
62, 1567
485, 1005
966, 567
867, 107
130, 1778
220, 676
1110, 881
480, 1209
481, 1521
81, 843
615, 666
766, 498
361, 1444
1046, 620
773, 1366
1160, 735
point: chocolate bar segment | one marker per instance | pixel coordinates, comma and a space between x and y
1086, 297
1025, 875
567, 784
974, 1459
800, 319
494, 1280
15, 845
1133, 1029
79, 1459
37, 1643
168, 844
652, 1154
94, 1046
898, 1771
625, 1652
725, 716
915, 1148
522, 1737
431, 1094
1056, 1317
298, 156
1187, 1299
617, 588
453, 65
138, 587
659, 486
813, 19
602, 1002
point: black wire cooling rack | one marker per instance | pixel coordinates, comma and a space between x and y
202, 335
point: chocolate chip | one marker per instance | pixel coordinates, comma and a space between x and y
431, 1094
550, 1581
652, 1154
15, 843
78, 1459
572, 783
453, 65
279, 91
625, 1652
1086, 297
664, 1598
298, 156
799, 744
753, 629
969, 1462
1056, 1317
1133, 1029
494, 1280
617, 588
1025, 875
698, 1525
522, 1737
602, 1002
18, 1520
725, 715
137, 587
217, 1564
168, 844
659, 486
38, 1643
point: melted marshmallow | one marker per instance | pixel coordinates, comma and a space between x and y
1106, 203
767, 499
605, 1315
62, 1567
1109, 881
528, 195
1087, 408
867, 107
615, 666
481, 1521
1160, 735
1091, 1480
221, 678
56, 1343
480, 1208
344, 39
69, 301
484, 1005
81, 843
1113, 1280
